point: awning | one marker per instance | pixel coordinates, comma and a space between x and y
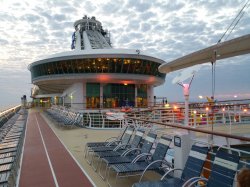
230, 48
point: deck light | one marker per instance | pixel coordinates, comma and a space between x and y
244, 110
175, 107
167, 105
207, 109
200, 96
195, 111
223, 109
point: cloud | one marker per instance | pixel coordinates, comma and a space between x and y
138, 5
3, 42
32, 18
145, 27
167, 29
112, 7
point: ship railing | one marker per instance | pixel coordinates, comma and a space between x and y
5, 115
233, 114
236, 144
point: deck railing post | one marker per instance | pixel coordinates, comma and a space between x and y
195, 118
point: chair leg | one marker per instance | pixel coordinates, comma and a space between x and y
93, 162
99, 162
109, 177
89, 161
85, 151
105, 173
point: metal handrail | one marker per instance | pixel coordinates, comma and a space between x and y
193, 129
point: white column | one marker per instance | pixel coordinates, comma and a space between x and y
186, 95
101, 95
136, 95
182, 146
150, 95
84, 94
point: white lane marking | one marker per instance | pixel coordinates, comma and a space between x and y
85, 173
50, 165
21, 160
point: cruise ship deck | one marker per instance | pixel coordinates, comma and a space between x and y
54, 155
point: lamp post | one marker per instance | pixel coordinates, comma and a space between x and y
186, 95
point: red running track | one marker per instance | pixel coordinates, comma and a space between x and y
46, 162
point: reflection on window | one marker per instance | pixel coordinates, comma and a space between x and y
142, 95
93, 95
118, 95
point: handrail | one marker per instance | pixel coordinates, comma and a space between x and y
13, 109
193, 129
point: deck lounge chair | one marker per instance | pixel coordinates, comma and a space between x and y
10, 154
193, 168
137, 139
125, 140
120, 149
130, 154
109, 141
223, 171
153, 161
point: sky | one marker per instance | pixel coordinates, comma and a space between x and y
167, 29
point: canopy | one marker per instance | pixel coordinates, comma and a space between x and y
230, 48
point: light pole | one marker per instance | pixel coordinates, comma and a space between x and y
186, 88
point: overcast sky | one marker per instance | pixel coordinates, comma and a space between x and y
167, 29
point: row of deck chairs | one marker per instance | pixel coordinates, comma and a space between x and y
135, 151
133, 158
11, 143
225, 165
64, 117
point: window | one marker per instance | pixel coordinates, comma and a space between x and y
93, 95
98, 65
141, 95
118, 95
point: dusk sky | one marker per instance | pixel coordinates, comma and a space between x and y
167, 29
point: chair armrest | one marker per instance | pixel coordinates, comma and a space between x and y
108, 140
120, 146
193, 181
112, 142
129, 151
152, 163
171, 170
140, 156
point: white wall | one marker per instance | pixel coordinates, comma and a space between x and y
150, 95
74, 96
